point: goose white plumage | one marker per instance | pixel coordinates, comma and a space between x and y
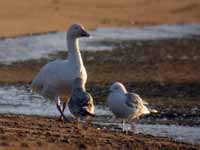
55, 79
125, 105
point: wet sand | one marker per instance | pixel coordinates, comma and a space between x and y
25, 132
35, 16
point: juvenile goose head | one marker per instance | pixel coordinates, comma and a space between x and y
117, 87
77, 31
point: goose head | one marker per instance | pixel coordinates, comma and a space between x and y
77, 31
117, 87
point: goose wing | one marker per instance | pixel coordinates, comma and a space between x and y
134, 101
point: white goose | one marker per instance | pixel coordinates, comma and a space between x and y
126, 105
55, 79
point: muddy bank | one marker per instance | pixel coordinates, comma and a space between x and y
30, 132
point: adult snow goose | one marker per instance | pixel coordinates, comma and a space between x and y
55, 79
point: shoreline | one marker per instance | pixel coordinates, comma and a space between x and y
37, 131
92, 27
53, 31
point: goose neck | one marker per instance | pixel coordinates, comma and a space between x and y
73, 45
74, 54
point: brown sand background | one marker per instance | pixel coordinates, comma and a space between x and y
31, 16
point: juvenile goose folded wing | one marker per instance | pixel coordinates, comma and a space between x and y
87, 105
81, 104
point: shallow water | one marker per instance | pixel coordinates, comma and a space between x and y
179, 133
17, 99
38, 46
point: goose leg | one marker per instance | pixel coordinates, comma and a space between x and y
124, 129
64, 106
123, 124
78, 122
58, 104
133, 127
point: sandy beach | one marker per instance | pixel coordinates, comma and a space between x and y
25, 132
35, 16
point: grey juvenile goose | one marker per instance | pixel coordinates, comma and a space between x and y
81, 102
